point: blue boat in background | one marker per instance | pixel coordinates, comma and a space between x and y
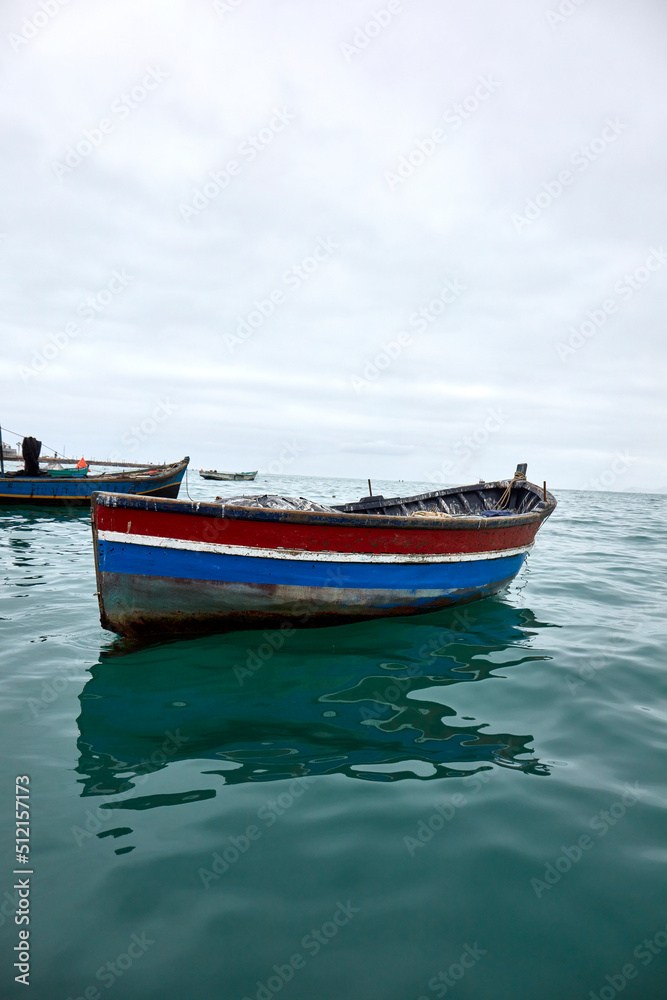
32, 485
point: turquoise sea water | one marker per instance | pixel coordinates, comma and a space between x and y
468, 804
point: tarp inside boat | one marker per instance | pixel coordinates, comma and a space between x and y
30, 450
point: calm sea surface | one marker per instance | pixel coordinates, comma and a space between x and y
468, 804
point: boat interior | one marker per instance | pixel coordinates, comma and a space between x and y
499, 499
481, 500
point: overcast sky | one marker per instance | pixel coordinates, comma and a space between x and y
405, 239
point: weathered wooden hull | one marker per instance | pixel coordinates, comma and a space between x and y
76, 491
192, 567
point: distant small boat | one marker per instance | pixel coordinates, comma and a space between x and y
252, 562
81, 469
67, 473
213, 474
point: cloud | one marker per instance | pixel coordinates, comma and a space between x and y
377, 448
225, 81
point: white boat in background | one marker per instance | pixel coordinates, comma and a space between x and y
213, 474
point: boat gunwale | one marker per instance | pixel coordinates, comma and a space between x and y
339, 518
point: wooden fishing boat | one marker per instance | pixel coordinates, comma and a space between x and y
212, 474
75, 487
252, 562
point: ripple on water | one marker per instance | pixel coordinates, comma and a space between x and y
428, 770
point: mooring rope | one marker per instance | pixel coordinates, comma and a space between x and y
186, 485
518, 477
56, 454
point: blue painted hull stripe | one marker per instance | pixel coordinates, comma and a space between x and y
142, 560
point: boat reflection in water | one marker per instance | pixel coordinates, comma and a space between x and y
364, 700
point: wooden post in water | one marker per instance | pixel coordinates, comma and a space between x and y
370, 491
544, 490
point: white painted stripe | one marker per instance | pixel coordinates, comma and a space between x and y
157, 541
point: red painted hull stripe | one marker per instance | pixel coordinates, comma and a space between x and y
314, 538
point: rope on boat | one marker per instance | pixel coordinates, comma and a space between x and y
186, 484
56, 454
518, 477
